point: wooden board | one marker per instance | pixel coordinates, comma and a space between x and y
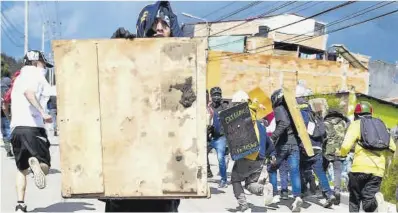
239, 130
78, 118
151, 142
263, 99
298, 120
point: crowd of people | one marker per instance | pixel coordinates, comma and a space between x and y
333, 138
362, 146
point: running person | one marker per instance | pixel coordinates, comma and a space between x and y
28, 134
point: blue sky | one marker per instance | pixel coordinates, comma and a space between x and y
85, 20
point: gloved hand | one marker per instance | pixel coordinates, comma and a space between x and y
122, 33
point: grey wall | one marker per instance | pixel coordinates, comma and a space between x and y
383, 80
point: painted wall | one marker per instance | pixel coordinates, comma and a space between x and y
234, 72
383, 80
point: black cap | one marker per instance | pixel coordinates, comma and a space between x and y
35, 55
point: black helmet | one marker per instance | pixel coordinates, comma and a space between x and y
35, 55
277, 97
215, 90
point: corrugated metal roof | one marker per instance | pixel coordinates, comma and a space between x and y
343, 52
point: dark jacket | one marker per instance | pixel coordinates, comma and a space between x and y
147, 17
284, 127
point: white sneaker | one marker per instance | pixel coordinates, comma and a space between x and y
381, 205
268, 194
276, 199
296, 206
39, 176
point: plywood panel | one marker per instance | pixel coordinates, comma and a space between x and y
155, 141
298, 120
78, 117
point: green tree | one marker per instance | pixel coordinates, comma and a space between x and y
5, 71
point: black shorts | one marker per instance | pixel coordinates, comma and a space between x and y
30, 142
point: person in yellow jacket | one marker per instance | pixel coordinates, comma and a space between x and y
369, 164
251, 168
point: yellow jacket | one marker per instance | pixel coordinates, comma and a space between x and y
365, 161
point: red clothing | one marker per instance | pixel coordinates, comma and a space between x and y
7, 96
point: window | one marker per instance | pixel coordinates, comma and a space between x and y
319, 29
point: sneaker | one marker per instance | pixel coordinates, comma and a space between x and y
223, 184
268, 194
276, 199
381, 205
329, 202
20, 208
296, 206
209, 174
284, 195
40, 178
9, 154
338, 197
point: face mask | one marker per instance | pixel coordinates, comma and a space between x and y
216, 99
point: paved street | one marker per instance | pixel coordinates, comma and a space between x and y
50, 200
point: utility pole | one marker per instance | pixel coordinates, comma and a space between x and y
26, 26
42, 38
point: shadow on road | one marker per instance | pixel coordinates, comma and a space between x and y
252, 207
215, 191
65, 207
54, 171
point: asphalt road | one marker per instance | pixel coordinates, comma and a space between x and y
50, 200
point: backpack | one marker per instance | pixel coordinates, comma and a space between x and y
319, 129
336, 128
374, 134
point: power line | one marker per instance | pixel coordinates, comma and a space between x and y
326, 33
296, 38
239, 10
315, 15
316, 3
351, 16
223, 7
6, 20
9, 37
219, 9
261, 16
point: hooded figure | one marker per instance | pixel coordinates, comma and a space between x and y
150, 15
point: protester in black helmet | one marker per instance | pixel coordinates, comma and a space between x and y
155, 20
286, 142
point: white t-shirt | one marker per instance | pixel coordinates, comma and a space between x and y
23, 113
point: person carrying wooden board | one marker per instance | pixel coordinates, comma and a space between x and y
286, 141
251, 168
155, 20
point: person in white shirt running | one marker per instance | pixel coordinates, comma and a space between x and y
29, 139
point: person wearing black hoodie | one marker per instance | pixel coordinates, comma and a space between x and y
155, 20
286, 141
